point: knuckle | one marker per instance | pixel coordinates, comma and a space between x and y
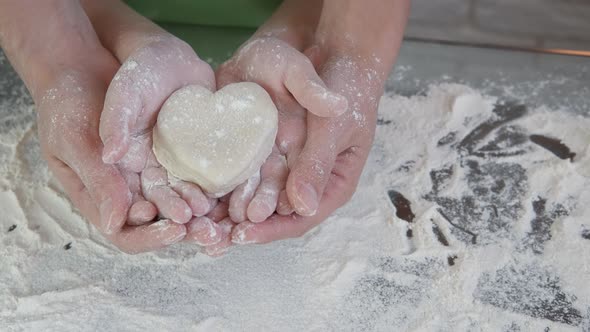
306, 62
154, 176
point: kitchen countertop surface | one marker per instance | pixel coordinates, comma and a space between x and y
527, 291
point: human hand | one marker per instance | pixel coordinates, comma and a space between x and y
154, 64
68, 130
68, 119
145, 80
60, 58
294, 85
328, 163
353, 48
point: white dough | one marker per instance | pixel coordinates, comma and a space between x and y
216, 140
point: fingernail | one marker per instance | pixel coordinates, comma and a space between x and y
180, 213
188, 213
338, 103
240, 236
202, 208
284, 208
106, 215
259, 210
205, 228
308, 199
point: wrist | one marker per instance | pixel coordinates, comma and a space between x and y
366, 31
44, 42
123, 31
294, 22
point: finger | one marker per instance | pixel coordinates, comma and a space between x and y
104, 183
225, 198
76, 191
241, 197
198, 202
134, 240
220, 248
204, 232
274, 176
141, 212
308, 177
340, 187
140, 147
128, 239
314, 54
284, 207
291, 135
304, 83
123, 103
224, 75
97, 189
276, 66
133, 182
154, 185
219, 212
140, 86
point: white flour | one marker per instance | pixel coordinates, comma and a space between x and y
521, 261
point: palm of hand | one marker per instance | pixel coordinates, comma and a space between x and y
133, 99
293, 84
69, 113
130, 111
334, 153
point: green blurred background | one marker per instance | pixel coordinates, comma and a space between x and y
215, 29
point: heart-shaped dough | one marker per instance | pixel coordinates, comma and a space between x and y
216, 140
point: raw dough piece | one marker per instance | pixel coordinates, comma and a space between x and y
216, 140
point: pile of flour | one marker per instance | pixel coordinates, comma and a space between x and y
495, 237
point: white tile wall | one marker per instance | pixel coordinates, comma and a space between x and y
528, 23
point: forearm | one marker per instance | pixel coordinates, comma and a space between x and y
371, 30
121, 29
294, 22
44, 38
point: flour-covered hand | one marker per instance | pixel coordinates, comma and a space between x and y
296, 88
326, 169
58, 54
69, 112
154, 64
353, 48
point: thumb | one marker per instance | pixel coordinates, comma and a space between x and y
122, 107
306, 86
102, 184
140, 87
313, 168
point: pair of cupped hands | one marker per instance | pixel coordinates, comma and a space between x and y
95, 127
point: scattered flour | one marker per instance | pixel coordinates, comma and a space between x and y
497, 239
